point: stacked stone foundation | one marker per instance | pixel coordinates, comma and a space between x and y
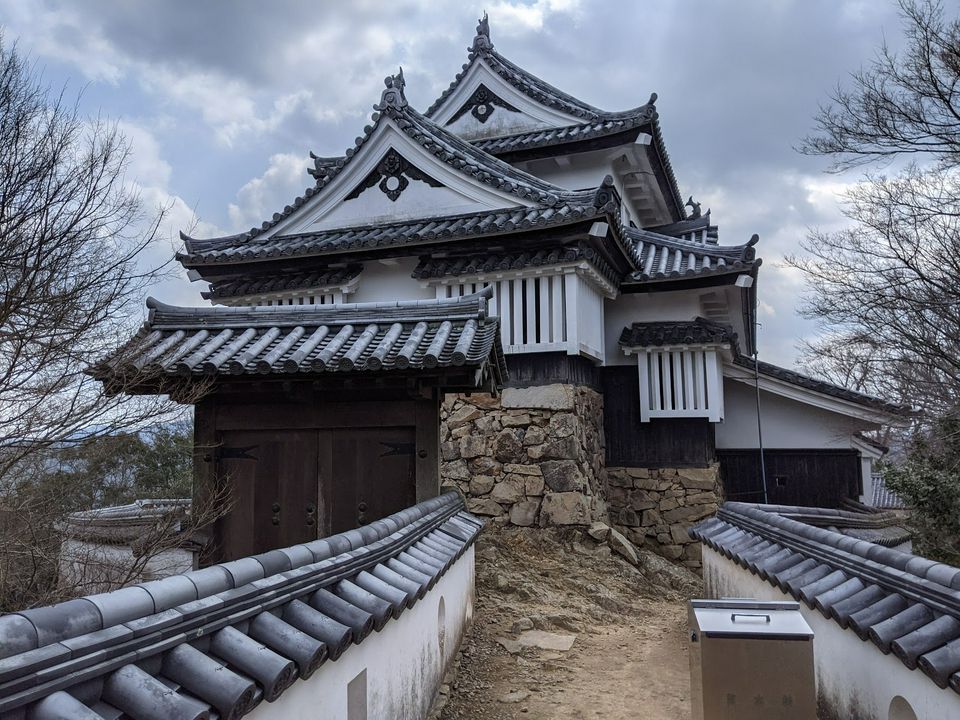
654, 507
534, 457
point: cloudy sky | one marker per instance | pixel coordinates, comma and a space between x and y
222, 102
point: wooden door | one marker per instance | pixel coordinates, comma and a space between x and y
366, 474
274, 479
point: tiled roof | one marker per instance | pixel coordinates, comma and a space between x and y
596, 122
683, 228
488, 263
282, 281
658, 334
548, 137
221, 640
445, 146
804, 381
883, 497
311, 339
903, 604
125, 523
660, 257
396, 235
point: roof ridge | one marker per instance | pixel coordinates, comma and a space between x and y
473, 305
694, 246
443, 144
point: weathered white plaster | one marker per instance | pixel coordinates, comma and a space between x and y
627, 309
854, 678
389, 283
786, 423
404, 662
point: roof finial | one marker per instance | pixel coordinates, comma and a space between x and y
393, 93
481, 40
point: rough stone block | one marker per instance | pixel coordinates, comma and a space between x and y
566, 508
518, 469
545, 397
648, 483
599, 531
668, 504
693, 551
671, 552
688, 514
481, 485
558, 449
563, 425
680, 535
455, 471
472, 446
487, 425
620, 545
698, 478
702, 498
651, 518
463, 415
618, 478
507, 492
507, 447
450, 451
534, 436
563, 475
524, 513
628, 518
532, 484
515, 420
643, 473
483, 506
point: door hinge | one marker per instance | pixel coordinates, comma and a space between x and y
236, 453
398, 448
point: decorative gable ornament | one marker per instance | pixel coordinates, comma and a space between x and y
393, 175
481, 105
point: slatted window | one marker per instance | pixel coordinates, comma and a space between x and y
325, 299
680, 383
544, 313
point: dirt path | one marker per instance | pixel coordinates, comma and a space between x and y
628, 658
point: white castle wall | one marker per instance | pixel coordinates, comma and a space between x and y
854, 679
394, 674
786, 423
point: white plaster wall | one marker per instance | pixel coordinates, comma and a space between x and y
786, 423
582, 171
389, 283
403, 662
625, 310
853, 676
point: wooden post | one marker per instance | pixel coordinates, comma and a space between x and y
427, 464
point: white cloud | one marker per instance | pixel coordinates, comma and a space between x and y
284, 179
514, 18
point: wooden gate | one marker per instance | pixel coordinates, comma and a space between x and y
292, 486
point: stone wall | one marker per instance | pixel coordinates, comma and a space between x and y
533, 456
654, 507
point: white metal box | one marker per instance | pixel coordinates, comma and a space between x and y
750, 660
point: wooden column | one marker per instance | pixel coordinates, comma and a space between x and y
428, 447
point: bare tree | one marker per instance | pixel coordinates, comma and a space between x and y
885, 289
73, 272
73, 234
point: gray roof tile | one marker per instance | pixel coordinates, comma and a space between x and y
902, 603
310, 339
183, 674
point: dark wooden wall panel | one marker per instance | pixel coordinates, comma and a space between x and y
528, 369
673, 442
807, 477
